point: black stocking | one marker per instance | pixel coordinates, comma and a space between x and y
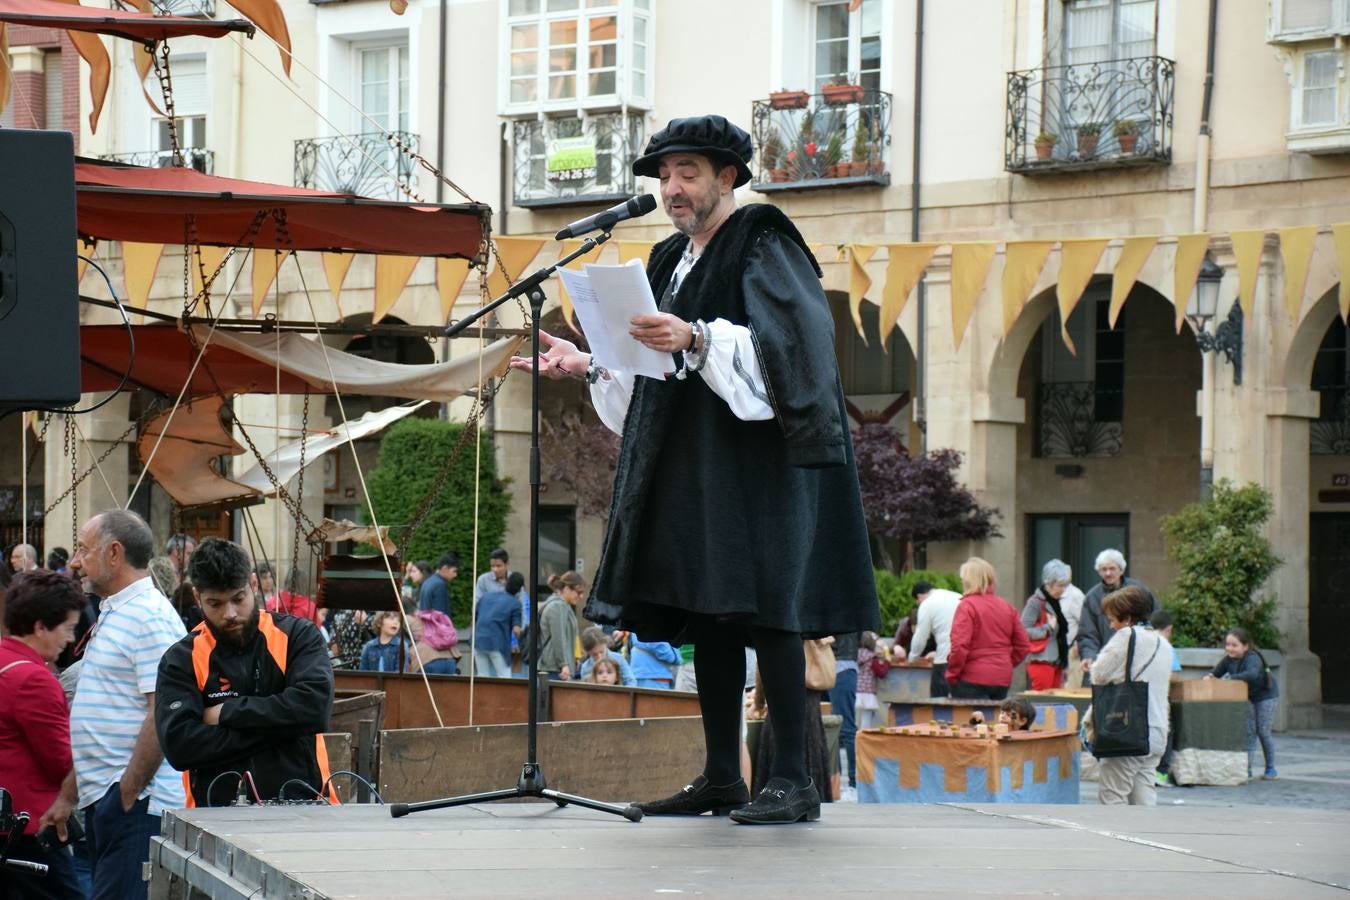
782, 669
719, 664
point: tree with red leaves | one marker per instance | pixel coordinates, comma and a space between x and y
915, 499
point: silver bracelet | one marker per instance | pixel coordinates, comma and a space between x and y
593, 371
694, 360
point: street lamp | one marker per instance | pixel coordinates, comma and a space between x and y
1203, 306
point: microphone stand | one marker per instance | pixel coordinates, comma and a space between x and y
532, 782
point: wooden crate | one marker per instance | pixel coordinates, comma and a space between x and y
1208, 689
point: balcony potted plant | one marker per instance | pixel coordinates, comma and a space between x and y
862, 153
1089, 133
834, 156
837, 93
1127, 135
786, 99
771, 158
1045, 145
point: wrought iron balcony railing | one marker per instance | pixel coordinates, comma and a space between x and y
193, 157
367, 165
205, 9
1068, 424
835, 139
1089, 116
1329, 433
574, 161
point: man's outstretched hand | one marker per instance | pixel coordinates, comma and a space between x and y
560, 358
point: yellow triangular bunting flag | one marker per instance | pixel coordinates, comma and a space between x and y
266, 264
1132, 258
1340, 234
516, 254
450, 277
858, 282
1247, 250
903, 271
635, 250
209, 260
1022, 264
83, 253
1077, 262
139, 262
970, 266
335, 266
391, 277
1191, 249
1296, 249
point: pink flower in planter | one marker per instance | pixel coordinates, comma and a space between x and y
811, 148
792, 156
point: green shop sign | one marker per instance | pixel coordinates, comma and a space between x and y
570, 159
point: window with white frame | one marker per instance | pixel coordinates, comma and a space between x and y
382, 84
1102, 30
190, 100
569, 54
846, 39
1308, 36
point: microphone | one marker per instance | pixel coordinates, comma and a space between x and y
629, 209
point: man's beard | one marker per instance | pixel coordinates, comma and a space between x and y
240, 638
700, 210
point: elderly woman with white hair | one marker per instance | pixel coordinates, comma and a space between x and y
1093, 628
1047, 626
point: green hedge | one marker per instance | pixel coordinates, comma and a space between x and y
411, 454
896, 593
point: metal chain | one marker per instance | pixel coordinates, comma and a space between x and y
520, 301
247, 239
299, 494
74, 498
75, 478
161, 63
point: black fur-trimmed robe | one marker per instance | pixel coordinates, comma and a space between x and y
756, 522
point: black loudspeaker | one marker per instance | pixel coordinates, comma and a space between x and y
39, 293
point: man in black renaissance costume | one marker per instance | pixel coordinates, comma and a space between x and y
737, 518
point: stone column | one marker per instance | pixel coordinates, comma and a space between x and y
101, 489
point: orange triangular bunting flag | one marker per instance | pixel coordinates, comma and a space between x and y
266, 264
139, 262
906, 266
1340, 235
1247, 246
1022, 264
1191, 249
91, 48
82, 252
858, 282
450, 277
335, 267
1077, 262
1296, 249
970, 267
515, 254
391, 277
267, 15
1133, 255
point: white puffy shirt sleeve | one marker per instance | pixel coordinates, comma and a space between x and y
731, 370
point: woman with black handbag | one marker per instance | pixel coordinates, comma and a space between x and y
1129, 702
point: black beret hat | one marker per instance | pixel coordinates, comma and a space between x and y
711, 136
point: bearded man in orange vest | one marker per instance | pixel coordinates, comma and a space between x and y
244, 699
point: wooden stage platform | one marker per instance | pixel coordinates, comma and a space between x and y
538, 850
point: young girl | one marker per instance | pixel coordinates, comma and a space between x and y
604, 671
1017, 714
382, 652
867, 681
1243, 661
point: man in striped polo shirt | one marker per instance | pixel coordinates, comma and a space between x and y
123, 781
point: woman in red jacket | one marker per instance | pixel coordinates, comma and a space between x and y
41, 610
988, 640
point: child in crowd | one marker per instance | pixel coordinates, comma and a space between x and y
1162, 624
603, 671
595, 646
385, 651
866, 703
1017, 714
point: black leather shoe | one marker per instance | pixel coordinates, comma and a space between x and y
699, 797
780, 803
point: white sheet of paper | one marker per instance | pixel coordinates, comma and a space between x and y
606, 299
